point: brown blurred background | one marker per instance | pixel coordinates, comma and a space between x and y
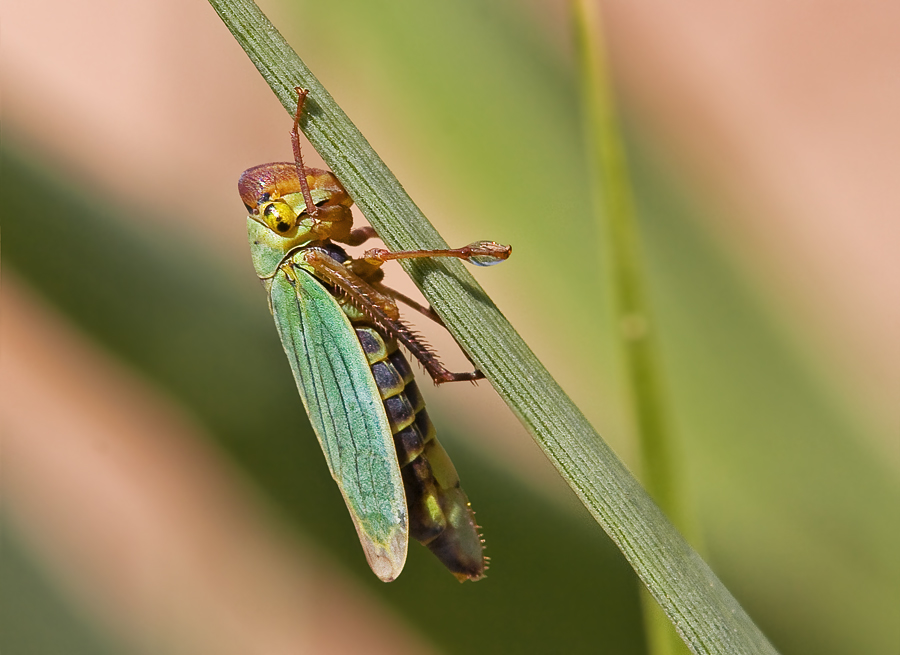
160, 490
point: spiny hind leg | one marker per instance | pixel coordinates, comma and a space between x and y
445, 375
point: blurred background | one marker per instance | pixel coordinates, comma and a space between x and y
162, 490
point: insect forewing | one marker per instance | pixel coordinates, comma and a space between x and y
346, 412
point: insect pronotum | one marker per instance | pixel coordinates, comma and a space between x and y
340, 328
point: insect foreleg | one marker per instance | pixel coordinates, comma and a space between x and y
298, 157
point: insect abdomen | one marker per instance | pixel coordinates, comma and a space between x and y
440, 516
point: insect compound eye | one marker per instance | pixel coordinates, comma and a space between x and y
279, 217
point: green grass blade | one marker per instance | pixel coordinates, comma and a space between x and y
704, 612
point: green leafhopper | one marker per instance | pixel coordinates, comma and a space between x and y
340, 328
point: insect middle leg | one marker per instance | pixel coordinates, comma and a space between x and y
479, 253
381, 308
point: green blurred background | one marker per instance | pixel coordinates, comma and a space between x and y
123, 141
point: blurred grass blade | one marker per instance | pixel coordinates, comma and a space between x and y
631, 312
706, 615
615, 215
